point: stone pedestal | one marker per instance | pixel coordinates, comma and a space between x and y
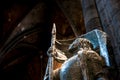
114, 10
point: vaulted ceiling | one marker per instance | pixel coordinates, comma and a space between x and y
25, 34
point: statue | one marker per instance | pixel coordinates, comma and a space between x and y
85, 64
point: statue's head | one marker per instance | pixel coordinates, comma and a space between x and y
84, 43
80, 43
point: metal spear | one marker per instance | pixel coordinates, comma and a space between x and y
51, 52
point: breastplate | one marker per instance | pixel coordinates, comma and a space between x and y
70, 70
87, 65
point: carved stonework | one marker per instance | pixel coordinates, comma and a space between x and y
85, 63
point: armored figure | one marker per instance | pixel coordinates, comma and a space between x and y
86, 64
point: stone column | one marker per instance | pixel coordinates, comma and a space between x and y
103, 10
110, 17
114, 9
90, 14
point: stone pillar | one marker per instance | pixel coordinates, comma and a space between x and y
90, 14
109, 12
110, 17
114, 10
102, 6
